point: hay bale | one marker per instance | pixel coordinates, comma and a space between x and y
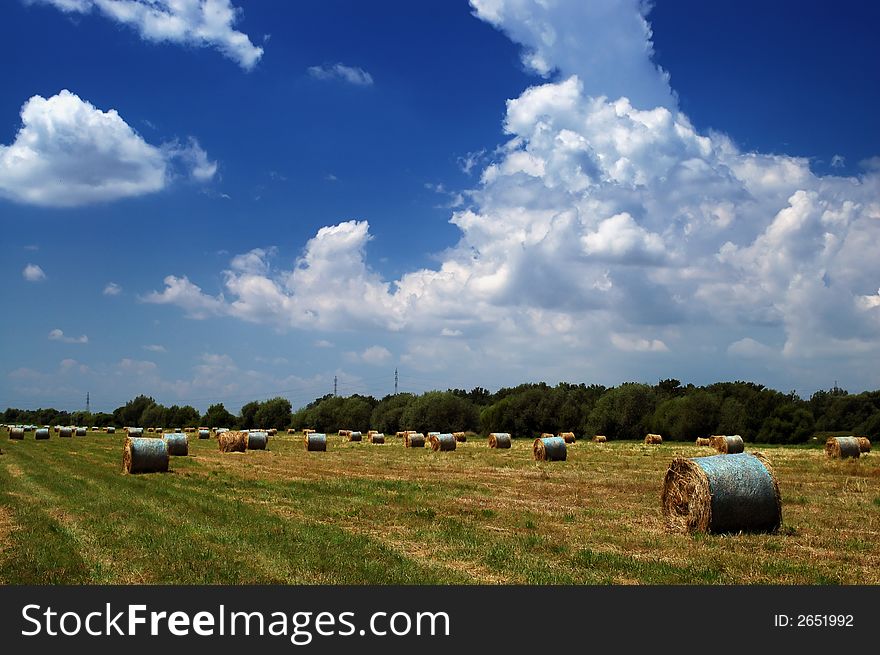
653, 439
291, 431
65, 432
546, 435
864, 444
354, 435
16, 433
177, 443
499, 440
151, 429
141, 455
400, 433
549, 449
433, 434
344, 433
42, 433
460, 437
220, 430
137, 432
271, 432
442, 442
721, 493
204, 434
729, 445
111, 430
842, 447
414, 440
257, 440
189, 430
232, 441
600, 438
703, 441
377, 438
316, 441
568, 436
307, 431
79, 432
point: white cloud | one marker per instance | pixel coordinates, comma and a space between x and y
58, 335
373, 355
180, 291
112, 289
605, 229
750, 348
33, 273
838, 161
323, 343
351, 74
155, 348
205, 23
68, 153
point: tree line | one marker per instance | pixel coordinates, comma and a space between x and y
627, 411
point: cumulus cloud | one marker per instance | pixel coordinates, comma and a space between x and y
606, 228
350, 74
33, 273
204, 23
373, 355
68, 153
58, 335
112, 289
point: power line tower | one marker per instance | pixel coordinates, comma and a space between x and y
334, 385
88, 405
395, 381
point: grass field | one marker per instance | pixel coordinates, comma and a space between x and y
363, 513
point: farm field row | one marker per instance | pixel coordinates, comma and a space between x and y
374, 514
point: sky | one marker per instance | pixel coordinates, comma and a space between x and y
228, 200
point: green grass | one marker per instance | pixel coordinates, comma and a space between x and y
361, 514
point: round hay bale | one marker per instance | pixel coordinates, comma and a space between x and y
151, 429
549, 449
271, 432
400, 433
370, 433
188, 430
377, 438
42, 433
291, 431
546, 435
864, 444
703, 441
653, 439
204, 434
344, 433
80, 432
568, 436
177, 443
442, 442
232, 441
141, 455
111, 430
729, 445
721, 493
600, 438
65, 432
16, 433
220, 430
257, 440
460, 437
433, 434
499, 440
414, 440
354, 435
307, 431
137, 432
842, 447
316, 441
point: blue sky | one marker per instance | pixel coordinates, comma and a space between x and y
250, 198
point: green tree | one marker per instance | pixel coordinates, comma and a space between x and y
131, 412
247, 414
388, 413
441, 411
217, 417
624, 412
273, 413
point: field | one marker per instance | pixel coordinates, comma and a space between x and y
363, 513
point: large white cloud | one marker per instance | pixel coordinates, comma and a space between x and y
607, 233
69, 153
191, 22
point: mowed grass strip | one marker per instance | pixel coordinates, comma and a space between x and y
361, 513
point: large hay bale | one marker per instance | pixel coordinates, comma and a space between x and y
41, 433
291, 431
653, 439
864, 444
141, 455
177, 443
137, 432
232, 441
16, 433
400, 433
271, 432
257, 440
728, 444
546, 435
414, 440
721, 493
344, 433
703, 441
188, 430
841, 447
600, 438
316, 441
111, 430
354, 435
433, 434
220, 430
499, 440
442, 442
204, 434
65, 432
307, 431
79, 432
377, 438
549, 449
568, 436
460, 437
151, 429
